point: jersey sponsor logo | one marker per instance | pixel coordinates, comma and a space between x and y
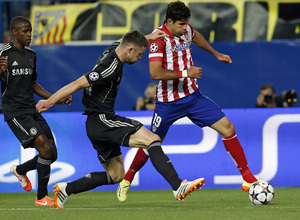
22, 71
15, 63
153, 47
181, 47
94, 76
88, 90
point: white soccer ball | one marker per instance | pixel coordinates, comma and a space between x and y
261, 193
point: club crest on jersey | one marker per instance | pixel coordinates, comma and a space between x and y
31, 62
186, 36
154, 128
33, 131
153, 47
93, 76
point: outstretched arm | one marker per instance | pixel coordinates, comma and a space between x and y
44, 105
153, 36
40, 91
200, 42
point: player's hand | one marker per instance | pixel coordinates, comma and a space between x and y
42, 106
64, 101
157, 35
224, 58
3, 64
195, 72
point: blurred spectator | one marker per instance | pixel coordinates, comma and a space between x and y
267, 98
148, 101
6, 37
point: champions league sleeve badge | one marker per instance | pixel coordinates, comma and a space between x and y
153, 47
93, 76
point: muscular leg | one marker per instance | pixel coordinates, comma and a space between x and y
29, 165
139, 160
233, 147
114, 174
146, 139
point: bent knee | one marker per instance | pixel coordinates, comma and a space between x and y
117, 177
230, 130
156, 137
47, 150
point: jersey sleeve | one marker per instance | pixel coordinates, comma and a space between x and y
103, 73
156, 50
94, 77
192, 30
34, 73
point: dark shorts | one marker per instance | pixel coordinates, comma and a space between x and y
108, 132
28, 127
200, 109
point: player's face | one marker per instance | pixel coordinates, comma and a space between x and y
22, 34
135, 55
177, 28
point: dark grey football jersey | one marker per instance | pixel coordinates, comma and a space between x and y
17, 80
104, 79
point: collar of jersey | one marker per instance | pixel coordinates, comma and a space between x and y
165, 29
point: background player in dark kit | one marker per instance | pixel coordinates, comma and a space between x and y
18, 84
108, 131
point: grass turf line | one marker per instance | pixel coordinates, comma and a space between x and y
143, 205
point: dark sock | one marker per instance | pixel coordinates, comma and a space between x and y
27, 166
163, 164
88, 182
43, 170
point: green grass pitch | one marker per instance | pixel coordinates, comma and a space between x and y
143, 205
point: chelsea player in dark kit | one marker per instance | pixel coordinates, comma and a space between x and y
108, 131
18, 77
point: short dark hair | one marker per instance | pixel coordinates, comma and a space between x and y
177, 11
267, 86
17, 21
135, 38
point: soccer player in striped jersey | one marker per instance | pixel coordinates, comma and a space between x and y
171, 63
108, 131
18, 77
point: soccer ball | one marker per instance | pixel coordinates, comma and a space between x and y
261, 193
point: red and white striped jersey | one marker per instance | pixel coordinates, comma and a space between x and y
175, 54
